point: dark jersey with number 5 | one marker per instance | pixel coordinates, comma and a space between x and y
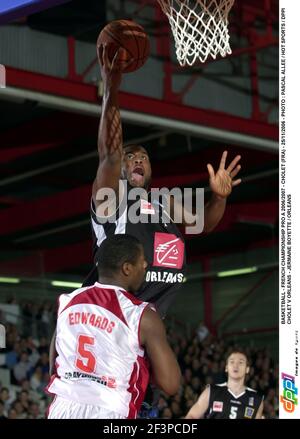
223, 404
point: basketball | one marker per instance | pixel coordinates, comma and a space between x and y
131, 37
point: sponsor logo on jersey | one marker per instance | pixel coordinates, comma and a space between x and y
104, 380
233, 401
147, 208
164, 276
251, 401
248, 412
217, 406
168, 251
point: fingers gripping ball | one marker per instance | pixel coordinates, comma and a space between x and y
128, 35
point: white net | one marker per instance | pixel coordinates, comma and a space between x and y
200, 28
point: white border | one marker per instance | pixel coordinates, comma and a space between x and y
289, 304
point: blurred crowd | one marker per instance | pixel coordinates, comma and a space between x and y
201, 357
25, 360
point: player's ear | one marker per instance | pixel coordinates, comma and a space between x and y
127, 268
248, 369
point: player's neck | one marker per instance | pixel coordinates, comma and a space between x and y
146, 188
116, 281
236, 386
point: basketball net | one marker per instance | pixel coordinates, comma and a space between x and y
199, 28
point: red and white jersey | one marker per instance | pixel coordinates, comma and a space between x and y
100, 360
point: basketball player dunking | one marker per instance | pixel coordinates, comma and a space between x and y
230, 400
162, 241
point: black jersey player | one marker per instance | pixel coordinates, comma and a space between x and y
232, 399
162, 241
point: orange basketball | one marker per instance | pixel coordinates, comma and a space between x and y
131, 37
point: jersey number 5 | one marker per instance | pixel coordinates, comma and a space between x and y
233, 412
89, 365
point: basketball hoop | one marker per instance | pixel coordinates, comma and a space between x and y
199, 28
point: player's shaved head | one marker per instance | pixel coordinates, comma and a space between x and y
121, 261
115, 251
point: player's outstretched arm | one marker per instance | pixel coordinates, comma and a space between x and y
197, 411
165, 369
221, 184
110, 142
260, 411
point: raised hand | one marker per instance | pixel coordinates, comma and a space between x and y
222, 182
111, 70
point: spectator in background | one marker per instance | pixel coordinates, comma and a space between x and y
28, 318
43, 346
162, 403
21, 369
196, 384
187, 360
43, 362
33, 395
45, 317
176, 411
20, 411
2, 411
187, 375
36, 379
202, 332
167, 413
196, 366
34, 355
11, 337
25, 346
12, 356
23, 398
4, 397
272, 398
34, 411
45, 380
12, 414
217, 375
